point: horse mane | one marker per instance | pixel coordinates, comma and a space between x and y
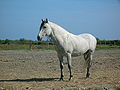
58, 28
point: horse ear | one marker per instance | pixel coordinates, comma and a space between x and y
46, 20
42, 20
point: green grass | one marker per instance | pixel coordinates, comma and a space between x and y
117, 88
45, 47
13, 47
94, 89
25, 47
107, 47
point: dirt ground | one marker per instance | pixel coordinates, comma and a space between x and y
39, 70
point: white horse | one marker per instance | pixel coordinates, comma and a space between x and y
68, 44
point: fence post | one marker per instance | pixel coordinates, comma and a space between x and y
30, 45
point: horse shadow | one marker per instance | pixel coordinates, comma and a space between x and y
31, 80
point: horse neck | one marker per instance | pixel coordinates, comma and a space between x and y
58, 33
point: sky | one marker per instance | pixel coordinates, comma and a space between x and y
22, 18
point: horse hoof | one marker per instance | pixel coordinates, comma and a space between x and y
87, 75
61, 79
70, 77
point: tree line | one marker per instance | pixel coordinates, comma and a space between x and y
24, 41
108, 42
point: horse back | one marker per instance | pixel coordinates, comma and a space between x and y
90, 39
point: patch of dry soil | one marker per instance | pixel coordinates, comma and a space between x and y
39, 70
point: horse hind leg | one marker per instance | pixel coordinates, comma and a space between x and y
88, 58
88, 68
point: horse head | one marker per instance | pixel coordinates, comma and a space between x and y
45, 29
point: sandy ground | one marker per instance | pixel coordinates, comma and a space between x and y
39, 70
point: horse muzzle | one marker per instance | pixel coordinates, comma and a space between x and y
38, 38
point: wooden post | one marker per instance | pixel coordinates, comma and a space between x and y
30, 45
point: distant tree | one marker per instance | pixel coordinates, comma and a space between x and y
98, 40
0, 41
7, 41
22, 41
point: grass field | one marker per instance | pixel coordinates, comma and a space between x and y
25, 47
45, 47
107, 47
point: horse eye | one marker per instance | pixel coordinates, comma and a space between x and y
44, 27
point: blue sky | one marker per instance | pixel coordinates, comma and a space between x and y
21, 18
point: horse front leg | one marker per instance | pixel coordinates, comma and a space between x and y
69, 60
61, 66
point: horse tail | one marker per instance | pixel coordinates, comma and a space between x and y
88, 57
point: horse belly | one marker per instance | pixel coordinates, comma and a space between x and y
76, 53
80, 48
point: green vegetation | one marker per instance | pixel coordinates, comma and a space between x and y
23, 44
94, 89
107, 47
25, 47
117, 88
